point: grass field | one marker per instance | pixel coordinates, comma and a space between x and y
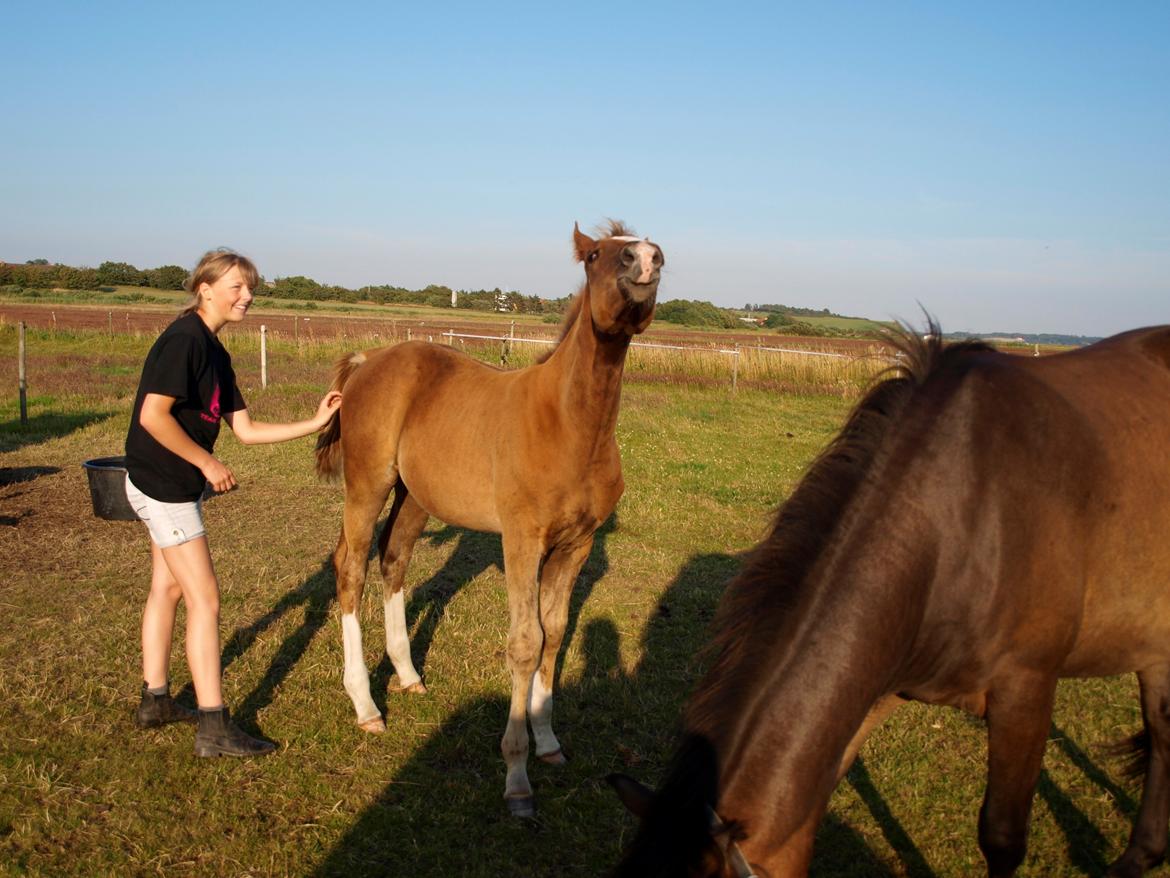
82, 792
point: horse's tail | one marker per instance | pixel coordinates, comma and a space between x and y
329, 439
1134, 753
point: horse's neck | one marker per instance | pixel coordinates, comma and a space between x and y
586, 375
782, 707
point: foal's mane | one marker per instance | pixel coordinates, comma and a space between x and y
613, 229
776, 571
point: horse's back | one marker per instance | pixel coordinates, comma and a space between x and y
1092, 496
1044, 482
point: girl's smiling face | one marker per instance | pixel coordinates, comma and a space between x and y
226, 300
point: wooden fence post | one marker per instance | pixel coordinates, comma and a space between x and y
735, 369
23, 376
263, 356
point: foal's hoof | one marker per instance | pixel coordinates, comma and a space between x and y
413, 689
556, 757
521, 806
375, 726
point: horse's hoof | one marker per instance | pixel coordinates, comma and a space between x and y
556, 757
375, 726
413, 689
522, 806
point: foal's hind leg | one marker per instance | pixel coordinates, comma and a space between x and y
1019, 713
1147, 841
556, 587
363, 502
403, 526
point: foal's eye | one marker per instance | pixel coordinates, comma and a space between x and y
593, 256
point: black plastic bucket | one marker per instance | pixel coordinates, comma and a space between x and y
107, 488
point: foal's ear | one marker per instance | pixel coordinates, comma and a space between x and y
635, 796
582, 244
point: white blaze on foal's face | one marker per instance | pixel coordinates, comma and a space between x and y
641, 254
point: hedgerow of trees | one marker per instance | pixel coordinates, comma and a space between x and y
40, 274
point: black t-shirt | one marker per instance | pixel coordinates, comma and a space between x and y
186, 362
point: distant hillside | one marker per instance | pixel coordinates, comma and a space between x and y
1027, 337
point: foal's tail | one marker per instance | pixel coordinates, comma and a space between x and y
329, 439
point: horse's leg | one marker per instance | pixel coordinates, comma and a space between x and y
363, 502
403, 526
1019, 713
521, 565
556, 587
1147, 841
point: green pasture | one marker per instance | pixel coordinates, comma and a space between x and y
856, 324
82, 792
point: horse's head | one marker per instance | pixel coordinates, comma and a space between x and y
622, 272
682, 842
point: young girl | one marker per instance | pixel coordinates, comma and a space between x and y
187, 387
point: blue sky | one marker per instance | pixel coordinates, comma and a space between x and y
1006, 165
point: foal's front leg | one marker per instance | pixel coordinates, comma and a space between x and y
521, 565
556, 588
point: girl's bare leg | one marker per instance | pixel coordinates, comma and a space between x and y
158, 621
190, 566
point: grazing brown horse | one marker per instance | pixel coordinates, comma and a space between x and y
530, 454
983, 525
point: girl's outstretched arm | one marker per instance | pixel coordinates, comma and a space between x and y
257, 433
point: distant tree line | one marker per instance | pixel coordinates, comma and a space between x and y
40, 274
792, 310
436, 295
696, 313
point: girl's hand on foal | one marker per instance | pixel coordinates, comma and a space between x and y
219, 476
328, 405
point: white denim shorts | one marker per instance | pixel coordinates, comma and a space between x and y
170, 524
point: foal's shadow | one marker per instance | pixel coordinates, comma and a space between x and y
451, 789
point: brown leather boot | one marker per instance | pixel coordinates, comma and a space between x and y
158, 710
217, 735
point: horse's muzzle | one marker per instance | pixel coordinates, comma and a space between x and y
639, 293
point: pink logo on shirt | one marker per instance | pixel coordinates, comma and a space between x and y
212, 418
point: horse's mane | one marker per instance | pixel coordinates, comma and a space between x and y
774, 573
613, 229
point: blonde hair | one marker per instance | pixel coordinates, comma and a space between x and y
214, 265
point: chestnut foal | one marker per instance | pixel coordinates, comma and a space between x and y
530, 454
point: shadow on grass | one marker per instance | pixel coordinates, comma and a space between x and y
315, 595
897, 837
16, 476
41, 428
443, 812
1088, 849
